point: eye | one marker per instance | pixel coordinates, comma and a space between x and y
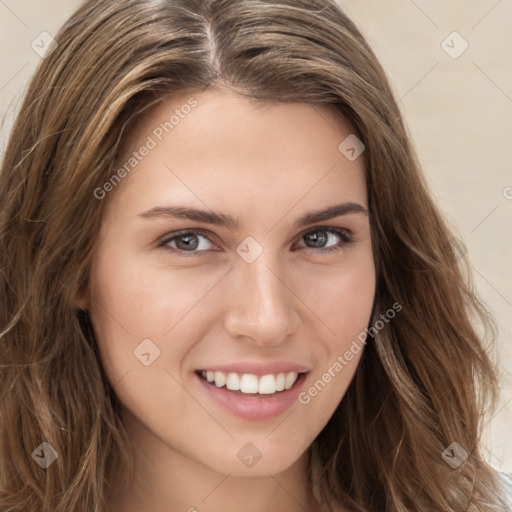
322, 235
189, 241
185, 241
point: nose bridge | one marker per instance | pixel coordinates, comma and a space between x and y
264, 288
261, 304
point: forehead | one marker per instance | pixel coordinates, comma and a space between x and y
233, 114
222, 146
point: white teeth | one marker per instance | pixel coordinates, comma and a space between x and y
249, 383
267, 385
233, 381
280, 380
290, 380
220, 379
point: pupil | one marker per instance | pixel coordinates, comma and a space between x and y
318, 241
188, 245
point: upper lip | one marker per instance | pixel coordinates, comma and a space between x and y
257, 368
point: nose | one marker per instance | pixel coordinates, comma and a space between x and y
262, 307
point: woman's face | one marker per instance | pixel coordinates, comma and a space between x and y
215, 263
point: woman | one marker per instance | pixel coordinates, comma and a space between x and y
225, 283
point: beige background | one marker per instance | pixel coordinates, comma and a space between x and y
458, 108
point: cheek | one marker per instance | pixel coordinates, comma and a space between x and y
343, 303
142, 299
342, 300
133, 301
135, 311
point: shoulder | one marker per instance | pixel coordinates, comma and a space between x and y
506, 479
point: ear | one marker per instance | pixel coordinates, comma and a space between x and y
82, 304
82, 300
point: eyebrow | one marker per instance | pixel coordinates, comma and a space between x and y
226, 220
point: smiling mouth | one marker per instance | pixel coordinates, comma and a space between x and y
250, 384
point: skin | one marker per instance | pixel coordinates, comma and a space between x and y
266, 165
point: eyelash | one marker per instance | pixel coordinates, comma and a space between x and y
345, 236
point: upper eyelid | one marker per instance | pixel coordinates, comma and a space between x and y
175, 234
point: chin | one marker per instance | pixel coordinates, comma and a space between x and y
255, 459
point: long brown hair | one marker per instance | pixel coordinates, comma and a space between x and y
424, 382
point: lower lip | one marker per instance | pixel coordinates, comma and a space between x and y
253, 406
